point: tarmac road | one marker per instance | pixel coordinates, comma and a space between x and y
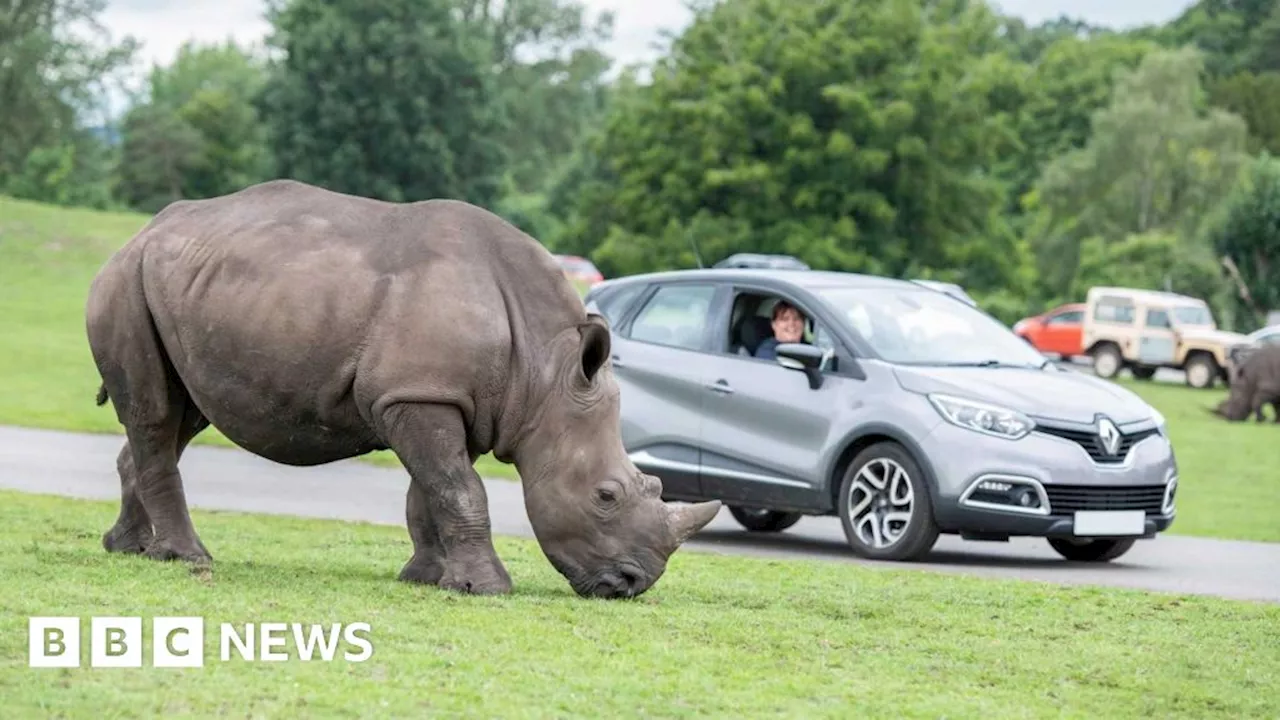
83, 466
1163, 375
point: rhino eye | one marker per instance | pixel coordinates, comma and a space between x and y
605, 495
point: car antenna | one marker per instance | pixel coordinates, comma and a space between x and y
693, 243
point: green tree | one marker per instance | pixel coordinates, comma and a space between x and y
1256, 98
1158, 160
197, 133
159, 152
1029, 43
55, 60
550, 78
860, 136
392, 99
1225, 30
1073, 78
1245, 234
1262, 54
1154, 260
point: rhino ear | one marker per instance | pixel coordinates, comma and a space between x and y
596, 344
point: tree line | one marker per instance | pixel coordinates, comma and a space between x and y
912, 138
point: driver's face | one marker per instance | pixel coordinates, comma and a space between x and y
788, 327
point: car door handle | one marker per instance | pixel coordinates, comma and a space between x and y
720, 386
616, 361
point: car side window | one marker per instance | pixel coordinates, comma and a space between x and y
676, 315
613, 306
1158, 319
1071, 317
1272, 339
1110, 310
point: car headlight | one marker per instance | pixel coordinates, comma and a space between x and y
1161, 425
981, 417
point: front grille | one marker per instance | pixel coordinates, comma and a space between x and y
1066, 499
1092, 444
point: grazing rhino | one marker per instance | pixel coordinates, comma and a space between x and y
1256, 383
310, 326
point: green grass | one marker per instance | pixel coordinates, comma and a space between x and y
718, 636
48, 256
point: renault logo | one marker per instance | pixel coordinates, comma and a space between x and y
1109, 434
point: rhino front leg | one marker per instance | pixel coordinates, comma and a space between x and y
447, 509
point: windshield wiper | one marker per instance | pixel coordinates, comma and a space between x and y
998, 363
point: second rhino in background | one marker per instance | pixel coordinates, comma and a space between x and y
1257, 383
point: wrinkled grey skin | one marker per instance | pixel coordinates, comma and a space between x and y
309, 326
1256, 383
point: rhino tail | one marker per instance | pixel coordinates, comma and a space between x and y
102, 395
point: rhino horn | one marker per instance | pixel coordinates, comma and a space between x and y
685, 520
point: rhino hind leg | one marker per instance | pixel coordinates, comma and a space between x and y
159, 420
133, 531
447, 509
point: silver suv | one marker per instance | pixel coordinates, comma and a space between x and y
903, 411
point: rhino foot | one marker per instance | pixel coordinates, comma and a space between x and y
129, 540
470, 570
478, 576
426, 572
167, 550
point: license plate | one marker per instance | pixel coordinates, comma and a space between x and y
1110, 522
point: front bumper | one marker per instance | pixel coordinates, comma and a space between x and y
1036, 486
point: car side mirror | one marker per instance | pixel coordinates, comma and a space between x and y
812, 361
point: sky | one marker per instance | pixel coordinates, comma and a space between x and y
163, 25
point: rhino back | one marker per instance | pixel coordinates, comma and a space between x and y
1263, 367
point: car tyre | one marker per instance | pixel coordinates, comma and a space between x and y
1143, 372
881, 484
759, 520
1091, 550
1107, 361
1201, 372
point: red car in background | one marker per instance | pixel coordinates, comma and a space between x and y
580, 269
1059, 331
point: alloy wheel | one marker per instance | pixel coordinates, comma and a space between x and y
881, 502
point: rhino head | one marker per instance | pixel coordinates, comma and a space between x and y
599, 520
1232, 409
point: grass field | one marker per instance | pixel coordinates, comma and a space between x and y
721, 636
48, 256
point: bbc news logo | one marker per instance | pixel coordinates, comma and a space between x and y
179, 642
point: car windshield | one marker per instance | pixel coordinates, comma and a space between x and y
1192, 315
922, 327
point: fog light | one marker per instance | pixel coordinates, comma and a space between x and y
1022, 495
